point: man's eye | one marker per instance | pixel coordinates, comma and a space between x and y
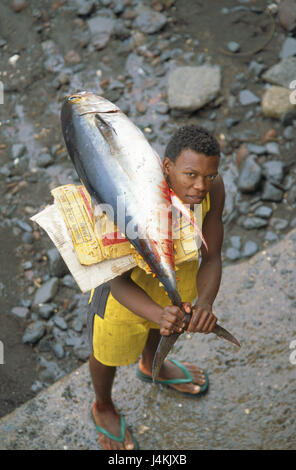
190, 174
211, 177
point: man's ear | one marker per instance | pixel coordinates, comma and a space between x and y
167, 163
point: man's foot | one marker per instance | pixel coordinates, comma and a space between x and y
111, 426
172, 370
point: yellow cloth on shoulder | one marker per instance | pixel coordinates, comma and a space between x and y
119, 338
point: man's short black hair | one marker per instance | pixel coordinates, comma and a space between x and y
192, 137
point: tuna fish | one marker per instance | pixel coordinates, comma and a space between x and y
115, 162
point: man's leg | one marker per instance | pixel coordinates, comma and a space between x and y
104, 411
168, 369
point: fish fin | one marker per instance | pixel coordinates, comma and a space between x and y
104, 127
177, 203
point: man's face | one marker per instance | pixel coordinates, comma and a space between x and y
191, 175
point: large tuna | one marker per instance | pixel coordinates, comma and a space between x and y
116, 163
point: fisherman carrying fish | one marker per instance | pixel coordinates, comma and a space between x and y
131, 313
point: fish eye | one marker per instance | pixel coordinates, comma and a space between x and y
72, 98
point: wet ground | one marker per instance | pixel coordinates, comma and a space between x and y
131, 69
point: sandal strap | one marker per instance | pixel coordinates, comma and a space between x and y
112, 436
187, 379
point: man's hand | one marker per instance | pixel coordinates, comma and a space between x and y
172, 320
202, 320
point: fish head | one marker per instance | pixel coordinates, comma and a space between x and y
86, 102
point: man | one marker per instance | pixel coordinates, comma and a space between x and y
133, 309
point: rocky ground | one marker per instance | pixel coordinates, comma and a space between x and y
229, 67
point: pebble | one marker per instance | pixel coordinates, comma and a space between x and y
251, 223
271, 192
60, 322
288, 48
101, 28
44, 160
233, 46
57, 266
273, 170
149, 21
263, 211
232, 253
287, 14
34, 332
247, 97
46, 310
46, 292
20, 312
250, 175
249, 249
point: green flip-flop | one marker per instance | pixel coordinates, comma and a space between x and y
187, 379
123, 428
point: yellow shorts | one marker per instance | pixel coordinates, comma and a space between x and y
117, 336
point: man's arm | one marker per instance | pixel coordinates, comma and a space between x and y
210, 271
131, 296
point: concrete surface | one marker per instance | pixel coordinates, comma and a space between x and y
251, 400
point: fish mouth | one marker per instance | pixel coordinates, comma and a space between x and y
87, 102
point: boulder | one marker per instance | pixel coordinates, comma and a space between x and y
276, 102
191, 88
281, 74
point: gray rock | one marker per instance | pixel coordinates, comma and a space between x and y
281, 74
46, 292
20, 312
69, 281
292, 196
85, 7
58, 350
263, 211
288, 48
17, 150
289, 133
271, 236
101, 28
60, 322
287, 14
257, 149
191, 88
251, 223
255, 68
50, 371
278, 224
236, 241
34, 332
46, 310
273, 148
276, 103
250, 248
247, 97
23, 225
149, 21
57, 266
232, 253
274, 170
250, 175
233, 46
271, 193
44, 160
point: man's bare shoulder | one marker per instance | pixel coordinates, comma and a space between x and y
217, 195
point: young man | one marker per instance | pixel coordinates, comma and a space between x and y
133, 310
